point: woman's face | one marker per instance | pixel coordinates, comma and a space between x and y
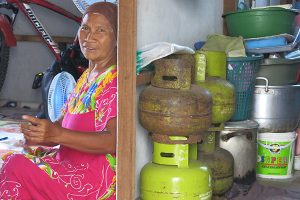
96, 38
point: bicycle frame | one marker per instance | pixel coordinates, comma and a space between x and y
24, 6
6, 30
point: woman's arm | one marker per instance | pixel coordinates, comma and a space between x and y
42, 132
103, 142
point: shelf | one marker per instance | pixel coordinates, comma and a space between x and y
37, 38
144, 78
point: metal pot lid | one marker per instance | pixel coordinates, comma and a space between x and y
247, 124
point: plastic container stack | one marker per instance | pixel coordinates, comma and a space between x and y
269, 32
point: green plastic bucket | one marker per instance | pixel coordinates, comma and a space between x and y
275, 155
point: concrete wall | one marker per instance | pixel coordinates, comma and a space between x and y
29, 58
176, 21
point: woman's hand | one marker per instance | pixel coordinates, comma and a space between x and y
39, 131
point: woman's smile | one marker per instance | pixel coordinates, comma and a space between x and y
88, 48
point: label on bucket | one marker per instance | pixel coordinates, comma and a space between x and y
274, 158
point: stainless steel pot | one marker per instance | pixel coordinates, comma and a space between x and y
278, 71
276, 108
239, 138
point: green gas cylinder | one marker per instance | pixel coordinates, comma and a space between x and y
174, 173
219, 160
223, 94
223, 98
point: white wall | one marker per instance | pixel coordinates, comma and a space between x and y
176, 21
29, 58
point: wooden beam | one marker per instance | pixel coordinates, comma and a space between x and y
228, 6
37, 38
126, 100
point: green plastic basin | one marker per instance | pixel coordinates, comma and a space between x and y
260, 22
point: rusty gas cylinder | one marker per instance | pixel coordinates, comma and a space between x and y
220, 161
171, 105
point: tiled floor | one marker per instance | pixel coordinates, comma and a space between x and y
275, 189
284, 183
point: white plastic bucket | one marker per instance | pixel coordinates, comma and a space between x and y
275, 155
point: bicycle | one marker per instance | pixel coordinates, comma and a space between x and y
70, 60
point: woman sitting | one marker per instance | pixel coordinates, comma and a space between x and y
83, 167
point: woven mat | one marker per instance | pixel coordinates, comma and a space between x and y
10, 119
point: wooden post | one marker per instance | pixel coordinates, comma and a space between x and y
229, 6
126, 100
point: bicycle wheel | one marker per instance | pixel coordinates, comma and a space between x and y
4, 56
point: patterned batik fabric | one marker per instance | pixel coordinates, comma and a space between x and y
65, 173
